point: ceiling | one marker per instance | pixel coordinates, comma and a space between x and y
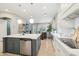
40, 12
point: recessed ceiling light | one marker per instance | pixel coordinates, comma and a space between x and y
24, 10
45, 14
31, 3
44, 7
19, 5
6, 10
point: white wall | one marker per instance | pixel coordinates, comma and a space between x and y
3, 29
76, 22
65, 27
14, 24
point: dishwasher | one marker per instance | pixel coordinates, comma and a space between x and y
25, 47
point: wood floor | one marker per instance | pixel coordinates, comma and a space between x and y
46, 49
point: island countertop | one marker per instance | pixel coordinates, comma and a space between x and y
30, 36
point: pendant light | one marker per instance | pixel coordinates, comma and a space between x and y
31, 20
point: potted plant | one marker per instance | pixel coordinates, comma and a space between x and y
49, 30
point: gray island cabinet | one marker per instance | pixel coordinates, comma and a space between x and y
27, 44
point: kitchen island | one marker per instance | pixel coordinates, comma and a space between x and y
27, 44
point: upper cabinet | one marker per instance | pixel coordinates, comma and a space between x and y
68, 10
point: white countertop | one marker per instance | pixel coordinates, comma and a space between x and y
66, 50
31, 36
59, 36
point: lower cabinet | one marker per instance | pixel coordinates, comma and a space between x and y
13, 45
21, 46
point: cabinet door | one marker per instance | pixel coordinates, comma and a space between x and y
13, 45
9, 45
17, 46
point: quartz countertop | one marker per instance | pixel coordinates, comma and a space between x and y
30, 36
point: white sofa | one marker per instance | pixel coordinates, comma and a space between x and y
62, 49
